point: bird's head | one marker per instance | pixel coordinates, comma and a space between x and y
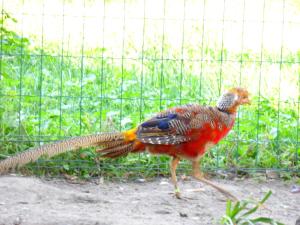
232, 99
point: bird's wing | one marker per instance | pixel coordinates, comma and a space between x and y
170, 127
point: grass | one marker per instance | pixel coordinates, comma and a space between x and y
46, 97
241, 213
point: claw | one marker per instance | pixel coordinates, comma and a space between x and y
177, 193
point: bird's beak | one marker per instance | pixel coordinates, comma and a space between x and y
246, 101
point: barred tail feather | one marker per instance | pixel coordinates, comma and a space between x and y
110, 144
116, 151
32, 154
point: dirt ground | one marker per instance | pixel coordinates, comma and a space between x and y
29, 200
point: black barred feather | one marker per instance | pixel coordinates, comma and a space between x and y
167, 128
117, 151
109, 144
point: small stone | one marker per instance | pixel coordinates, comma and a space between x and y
101, 180
163, 212
163, 183
23, 202
183, 214
140, 180
295, 189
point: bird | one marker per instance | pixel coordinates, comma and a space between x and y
181, 132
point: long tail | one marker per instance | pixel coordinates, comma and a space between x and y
111, 145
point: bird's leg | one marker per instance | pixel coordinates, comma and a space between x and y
173, 165
199, 176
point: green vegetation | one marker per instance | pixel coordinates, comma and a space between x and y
46, 97
241, 213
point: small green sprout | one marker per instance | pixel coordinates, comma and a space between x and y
240, 212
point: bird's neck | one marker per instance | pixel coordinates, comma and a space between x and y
228, 103
227, 116
230, 110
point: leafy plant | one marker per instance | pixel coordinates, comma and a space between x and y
11, 42
241, 213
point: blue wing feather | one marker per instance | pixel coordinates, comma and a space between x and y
161, 122
169, 127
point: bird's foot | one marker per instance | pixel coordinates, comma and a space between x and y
178, 193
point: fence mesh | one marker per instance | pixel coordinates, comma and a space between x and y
71, 68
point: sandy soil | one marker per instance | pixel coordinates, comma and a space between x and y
28, 201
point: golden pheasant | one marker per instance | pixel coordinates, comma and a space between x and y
183, 132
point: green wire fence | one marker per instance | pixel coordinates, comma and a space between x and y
72, 68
